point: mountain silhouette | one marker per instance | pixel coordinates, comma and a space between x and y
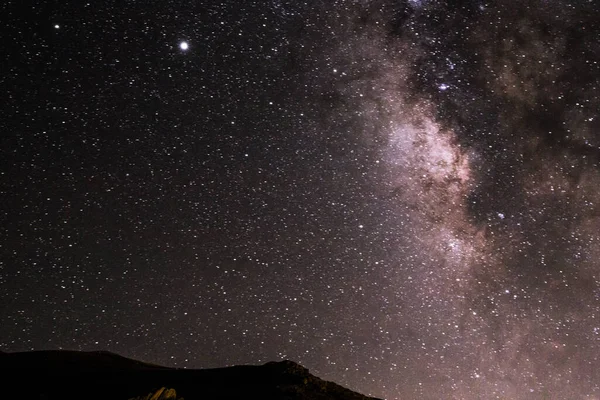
66, 375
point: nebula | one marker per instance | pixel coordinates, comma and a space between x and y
493, 174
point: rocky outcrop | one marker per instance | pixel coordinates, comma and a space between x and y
295, 382
161, 394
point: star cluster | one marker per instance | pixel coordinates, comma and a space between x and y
402, 196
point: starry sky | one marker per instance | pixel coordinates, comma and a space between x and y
403, 196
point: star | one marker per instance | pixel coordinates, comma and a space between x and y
184, 46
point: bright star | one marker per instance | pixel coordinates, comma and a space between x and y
183, 45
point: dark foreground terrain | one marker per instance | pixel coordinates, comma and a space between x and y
69, 375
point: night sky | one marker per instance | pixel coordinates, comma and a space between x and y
403, 196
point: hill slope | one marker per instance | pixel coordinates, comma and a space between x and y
66, 375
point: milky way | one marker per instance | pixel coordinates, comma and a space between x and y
402, 196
